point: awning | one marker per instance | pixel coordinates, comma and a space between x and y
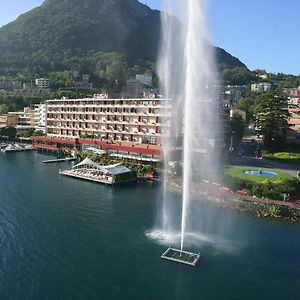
113, 170
135, 157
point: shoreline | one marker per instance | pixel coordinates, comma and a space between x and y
255, 207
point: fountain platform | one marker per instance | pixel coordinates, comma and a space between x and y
183, 257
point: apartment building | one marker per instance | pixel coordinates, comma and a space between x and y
42, 83
3, 121
31, 118
144, 78
40, 112
230, 94
293, 134
23, 121
261, 87
294, 93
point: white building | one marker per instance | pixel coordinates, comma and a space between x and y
230, 94
42, 82
41, 117
261, 87
144, 78
29, 119
239, 112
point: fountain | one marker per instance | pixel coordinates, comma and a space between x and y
187, 74
260, 173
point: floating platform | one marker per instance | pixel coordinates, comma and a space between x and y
58, 160
183, 257
104, 180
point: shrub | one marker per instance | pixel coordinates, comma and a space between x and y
266, 189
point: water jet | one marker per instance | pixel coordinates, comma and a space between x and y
188, 77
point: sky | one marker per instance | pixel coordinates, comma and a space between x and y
263, 34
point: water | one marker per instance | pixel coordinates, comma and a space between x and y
260, 173
62, 238
188, 76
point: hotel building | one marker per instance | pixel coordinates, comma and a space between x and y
132, 120
128, 127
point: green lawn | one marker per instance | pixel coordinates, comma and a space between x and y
287, 157
237, 172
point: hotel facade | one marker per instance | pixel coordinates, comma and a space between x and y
124, 127
131, 120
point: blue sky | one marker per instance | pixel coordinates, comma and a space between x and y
263, 34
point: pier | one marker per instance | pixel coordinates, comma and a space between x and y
59, 160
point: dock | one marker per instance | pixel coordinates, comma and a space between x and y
59, 160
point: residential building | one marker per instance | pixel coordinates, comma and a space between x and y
134, 89
82, 81
23, 121
293, 134
230, 94
41, 117
261, 87
31, 118
42, 83
295, 92
144, 79
3, 121
239, 112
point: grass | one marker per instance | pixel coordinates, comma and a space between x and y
286, 157
237, 172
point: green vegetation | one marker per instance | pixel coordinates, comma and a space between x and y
15, 103
9, 132
139, 168
268, 187
71, 93
237, 172
111, 40
33, 132
271, 119
237, 126
284, 80
237, 76
292, 157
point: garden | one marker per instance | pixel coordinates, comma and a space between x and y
271, 187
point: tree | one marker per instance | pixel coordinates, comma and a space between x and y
271, 116
237, 125
247, 105
116, 76
10, 132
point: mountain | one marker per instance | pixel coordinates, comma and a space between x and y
50, 37
227, 60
